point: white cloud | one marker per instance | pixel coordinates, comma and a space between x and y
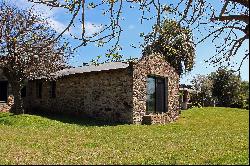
21, 3
45, 12
50, 14
92, 28
57, 26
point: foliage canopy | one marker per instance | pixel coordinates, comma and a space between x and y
175, 43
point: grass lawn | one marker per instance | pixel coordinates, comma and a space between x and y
200, 136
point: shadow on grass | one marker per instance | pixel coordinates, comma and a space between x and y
74, 119
5, 114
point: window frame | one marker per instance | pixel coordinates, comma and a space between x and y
165, 100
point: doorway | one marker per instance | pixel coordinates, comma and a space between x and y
3, 91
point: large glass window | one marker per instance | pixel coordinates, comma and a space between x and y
156, 94
150, 95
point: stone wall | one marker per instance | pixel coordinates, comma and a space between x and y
154, 65
118, 95
5, 107
105, 94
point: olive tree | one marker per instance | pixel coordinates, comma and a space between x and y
175, 43
29, 49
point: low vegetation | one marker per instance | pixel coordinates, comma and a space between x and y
200, 136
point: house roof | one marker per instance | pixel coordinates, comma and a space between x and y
186, 86
91, 68
189, 88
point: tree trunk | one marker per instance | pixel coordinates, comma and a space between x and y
18, 102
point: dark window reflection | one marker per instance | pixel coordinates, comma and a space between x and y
150, 94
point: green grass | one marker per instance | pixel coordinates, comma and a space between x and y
200, 136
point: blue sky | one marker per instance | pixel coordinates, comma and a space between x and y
131, 30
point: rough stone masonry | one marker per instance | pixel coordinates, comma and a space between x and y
115, 92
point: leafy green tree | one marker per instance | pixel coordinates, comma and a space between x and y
244, 95
226, 87
174, 42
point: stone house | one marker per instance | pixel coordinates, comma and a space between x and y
143, 92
